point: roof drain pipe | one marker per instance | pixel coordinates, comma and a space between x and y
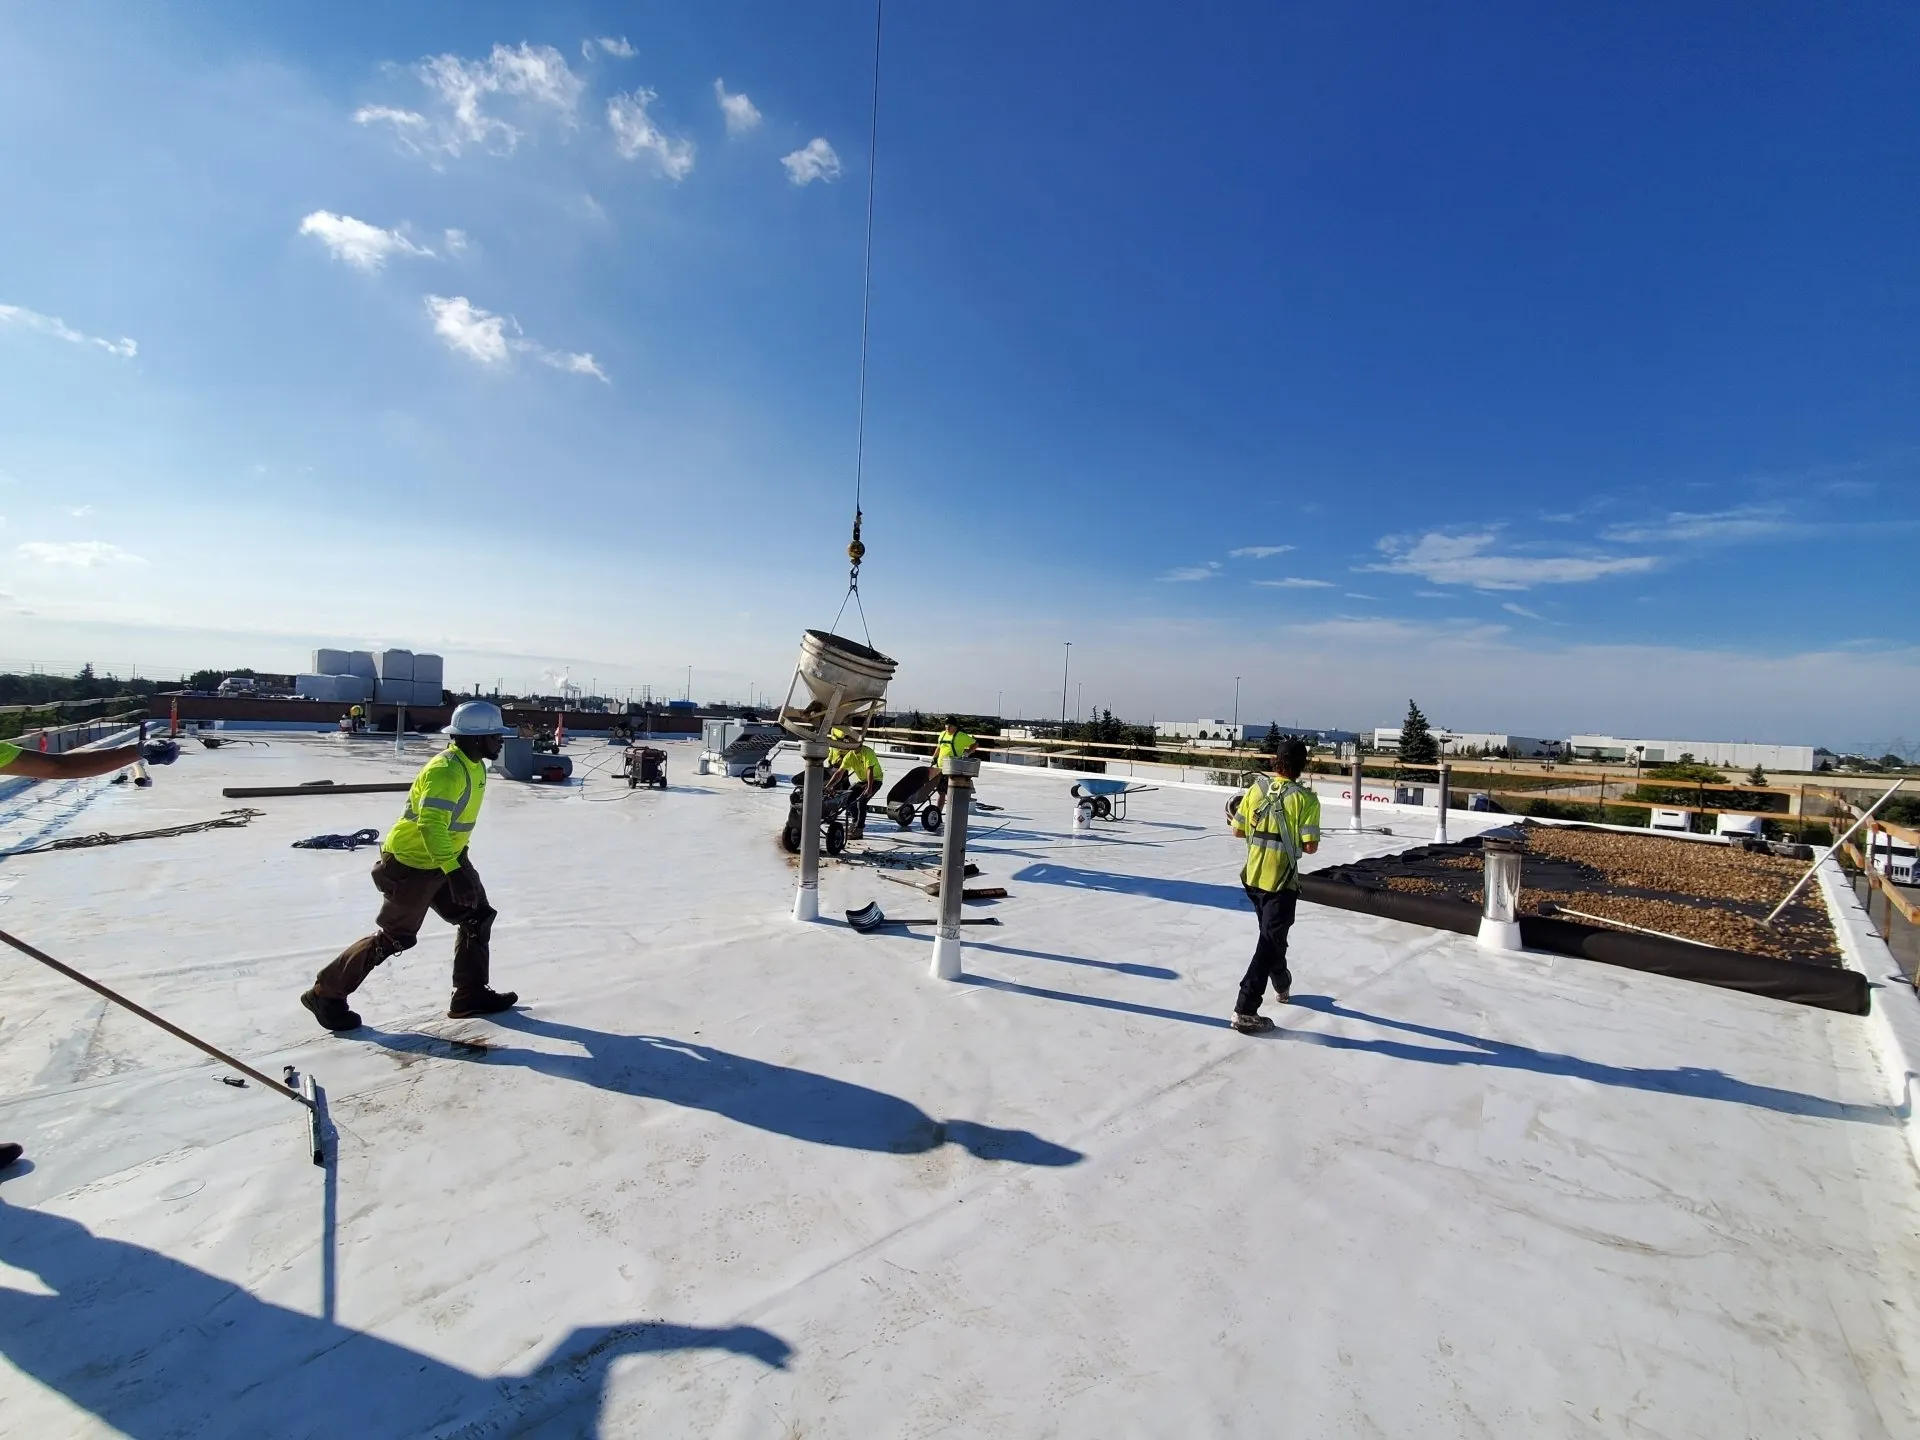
960, 772
1499, 920
1359, 783
1440, 825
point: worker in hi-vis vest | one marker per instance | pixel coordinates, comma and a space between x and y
424, 866
39, 765
1280, 820
953, 744
861, 767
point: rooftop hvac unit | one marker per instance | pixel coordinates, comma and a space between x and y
393, 664
360, 662
428, 670
332, 662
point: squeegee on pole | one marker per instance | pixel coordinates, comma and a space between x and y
302, 1095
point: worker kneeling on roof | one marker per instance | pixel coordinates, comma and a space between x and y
424, 866
953, 744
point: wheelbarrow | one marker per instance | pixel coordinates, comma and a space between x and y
913, 793
1107, 799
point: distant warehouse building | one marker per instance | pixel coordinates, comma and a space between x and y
1516, 747
1740, 754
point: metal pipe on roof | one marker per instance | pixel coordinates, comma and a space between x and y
1834, 849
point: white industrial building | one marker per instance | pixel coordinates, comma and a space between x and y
1202, 734
1740, 754
1473, 742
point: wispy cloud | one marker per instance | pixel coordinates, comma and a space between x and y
1513, 609
83, 554
60, 330
493, 340
81, 512
741, 113
1186, 573
635, 134
1378, 629
1470, 559
813, 161
1258, 552
460, 92
1745, 522
1356, 595
617, 46
357, 243
1296, 582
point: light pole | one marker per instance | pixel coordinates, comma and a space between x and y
1236, 712
1065, 670
689, 682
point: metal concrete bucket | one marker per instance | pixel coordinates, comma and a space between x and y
837, 682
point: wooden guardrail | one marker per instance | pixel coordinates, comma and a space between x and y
1879, 882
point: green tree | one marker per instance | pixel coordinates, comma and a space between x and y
1756, 776
1417, 745
1891, 761
1272, 744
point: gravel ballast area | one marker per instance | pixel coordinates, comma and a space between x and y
1716, 894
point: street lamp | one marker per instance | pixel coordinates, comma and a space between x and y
1236, 711
1065, 670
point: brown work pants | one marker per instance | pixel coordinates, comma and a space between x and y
408, 894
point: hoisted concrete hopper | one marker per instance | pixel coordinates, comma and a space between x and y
838, 684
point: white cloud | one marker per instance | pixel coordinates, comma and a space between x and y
741, 114
573, 362
79, 512
456, 242
635, 134
813, 161
1747, 522
1258, 552
1186, 573
60, 330
468, 330
85, 554
1513, 609
615, 45
363, 246
1356, 595
1466, 560
494, 339
1295, 582
535, 75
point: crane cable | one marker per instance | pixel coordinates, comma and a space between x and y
856, 548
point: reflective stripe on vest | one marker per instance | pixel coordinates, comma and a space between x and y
455, 826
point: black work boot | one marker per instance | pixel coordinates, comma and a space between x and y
331, 1011
9, 1153
481, 1002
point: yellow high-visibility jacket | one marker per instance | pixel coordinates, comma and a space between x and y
952, 747
9, 752
863, 765
1280, 818
442, 809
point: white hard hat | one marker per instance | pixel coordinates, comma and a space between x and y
476, 717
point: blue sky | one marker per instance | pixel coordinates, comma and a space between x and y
1556, 369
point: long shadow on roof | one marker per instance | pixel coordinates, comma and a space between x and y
1691, 1080
799, 1103
1184, 892
155, 1347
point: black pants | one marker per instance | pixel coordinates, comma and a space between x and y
407, 895
1275, 910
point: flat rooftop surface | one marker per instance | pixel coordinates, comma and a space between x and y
728, 1175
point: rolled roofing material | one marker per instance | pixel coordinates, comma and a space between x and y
1828, 987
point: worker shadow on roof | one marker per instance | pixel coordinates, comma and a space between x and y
818, 1109
1118, 967
155, 1347
1695, 1081
1154, 887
